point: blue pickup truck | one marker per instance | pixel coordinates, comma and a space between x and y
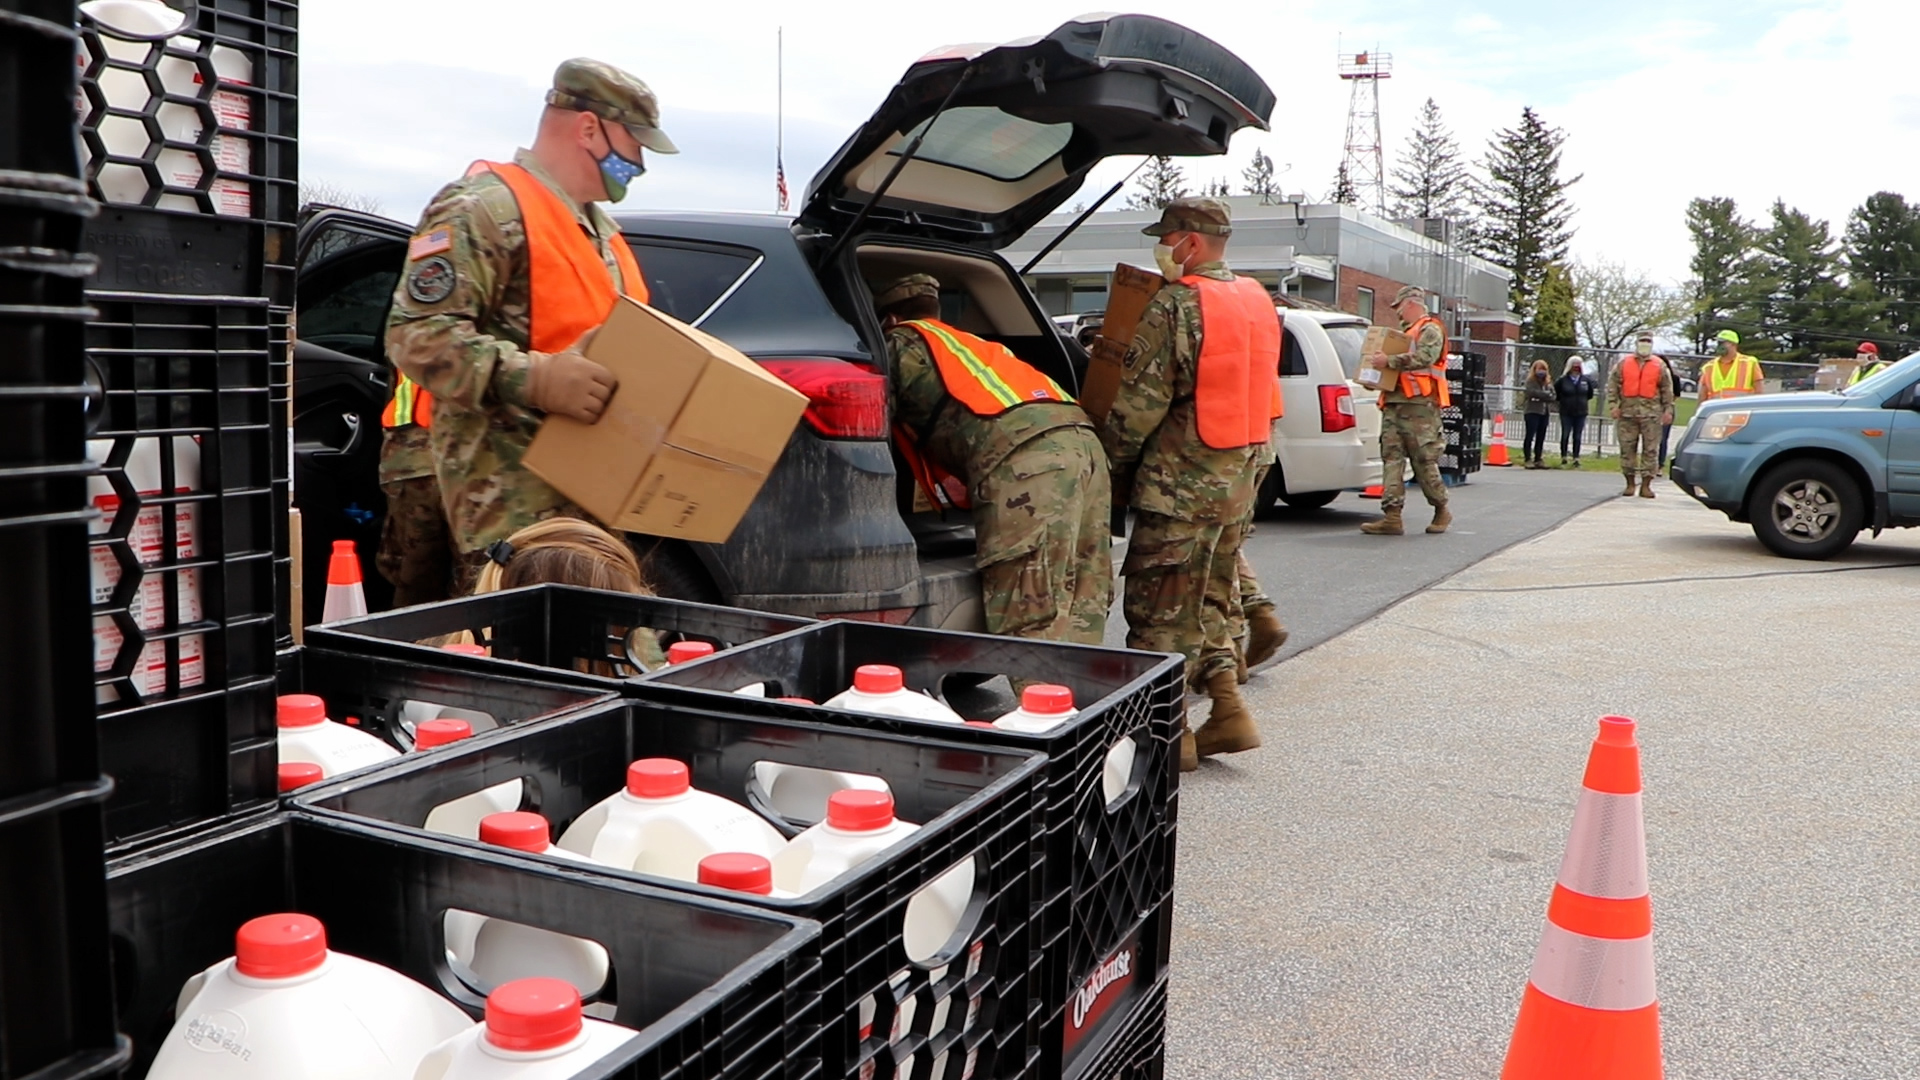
1808, 471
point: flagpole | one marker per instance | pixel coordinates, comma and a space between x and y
780, 118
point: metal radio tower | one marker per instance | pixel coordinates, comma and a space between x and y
1364, 166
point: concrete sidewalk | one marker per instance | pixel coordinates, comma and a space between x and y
1362, 897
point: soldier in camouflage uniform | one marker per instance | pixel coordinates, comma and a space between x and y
1638, 415
1034, 472
462, 319
1192, 502
1410, 424
416, 552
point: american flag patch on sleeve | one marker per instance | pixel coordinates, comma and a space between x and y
432, 243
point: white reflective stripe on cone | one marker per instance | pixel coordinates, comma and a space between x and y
1594, 973
1607, 852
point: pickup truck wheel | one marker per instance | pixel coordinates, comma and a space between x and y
1807, 509
1309, 500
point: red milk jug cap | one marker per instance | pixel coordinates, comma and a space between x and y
878, 679
1046, 699
658, 778
465, 648
740, 871
533, 1014
299, 710
279, 946
859, 810
295, 775
520, 830
440, 732
682, 651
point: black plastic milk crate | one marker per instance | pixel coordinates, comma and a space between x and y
192, 141
551, 631
1107, 868
1138, 1049
974, 802
37, 86
716, 991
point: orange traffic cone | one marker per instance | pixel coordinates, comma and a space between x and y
346, 598
1589, 1012
1497, 446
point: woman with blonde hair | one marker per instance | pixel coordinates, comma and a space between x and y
570, 551
1540, 401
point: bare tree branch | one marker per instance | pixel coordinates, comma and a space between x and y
1614, 304
332, 194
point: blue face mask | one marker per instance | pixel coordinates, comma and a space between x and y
617, 172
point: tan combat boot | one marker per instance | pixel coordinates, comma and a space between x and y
1265, 635
1389, 525
1189, 757
1230, 728
1442, 517
1646, 487
1629, 489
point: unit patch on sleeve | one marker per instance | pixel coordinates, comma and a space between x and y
431, 281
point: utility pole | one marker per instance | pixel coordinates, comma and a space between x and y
1364, 164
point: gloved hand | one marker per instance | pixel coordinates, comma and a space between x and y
569, 384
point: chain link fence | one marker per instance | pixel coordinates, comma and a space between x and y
1509, 363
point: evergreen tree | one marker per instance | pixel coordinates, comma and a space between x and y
1158, 184
1343, 188
1553, 314
1430, 180
1525, 215
1722, 289
1261, 179
1806, 310
1216, 188
1883, 260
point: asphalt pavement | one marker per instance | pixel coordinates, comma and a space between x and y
1362, 897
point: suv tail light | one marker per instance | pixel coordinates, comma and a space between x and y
1336, 408
844, 400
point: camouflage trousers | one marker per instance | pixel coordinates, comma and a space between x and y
1639, 444
1182, 590
416, 548
1041, 522
1410, 429
1250, 593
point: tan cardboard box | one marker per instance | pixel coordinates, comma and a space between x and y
685, 443
1127, 299
1833, 374
1380, 339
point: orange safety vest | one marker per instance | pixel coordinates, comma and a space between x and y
1638, 379
1236, 393
411, 404
570, 288
1433, 381
983, 375
1737, 379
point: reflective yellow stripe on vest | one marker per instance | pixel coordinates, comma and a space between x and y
409, 405
990, 379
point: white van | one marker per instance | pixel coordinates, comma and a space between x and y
1329, 439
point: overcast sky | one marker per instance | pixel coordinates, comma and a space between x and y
1662, 100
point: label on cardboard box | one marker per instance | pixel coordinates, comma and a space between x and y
687, 439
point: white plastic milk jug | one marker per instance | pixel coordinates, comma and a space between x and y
461, 817
859, 826
881, 688
285, 1007
126, 88
498, 951
307, 735
147, 537
534, 1031
1045, 706
413, 713
660, 824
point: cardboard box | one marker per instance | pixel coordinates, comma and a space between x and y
687, 440
1127, 297
1381, 339
1833, 374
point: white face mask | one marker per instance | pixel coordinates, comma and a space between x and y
1643, 349
1170, 267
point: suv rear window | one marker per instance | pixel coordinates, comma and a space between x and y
686, 280
1346, 345
985, 140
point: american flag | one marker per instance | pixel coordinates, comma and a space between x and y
780, 182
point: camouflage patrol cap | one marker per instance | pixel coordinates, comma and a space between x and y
1193, 214
1408, 292
611, 94
905, 288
